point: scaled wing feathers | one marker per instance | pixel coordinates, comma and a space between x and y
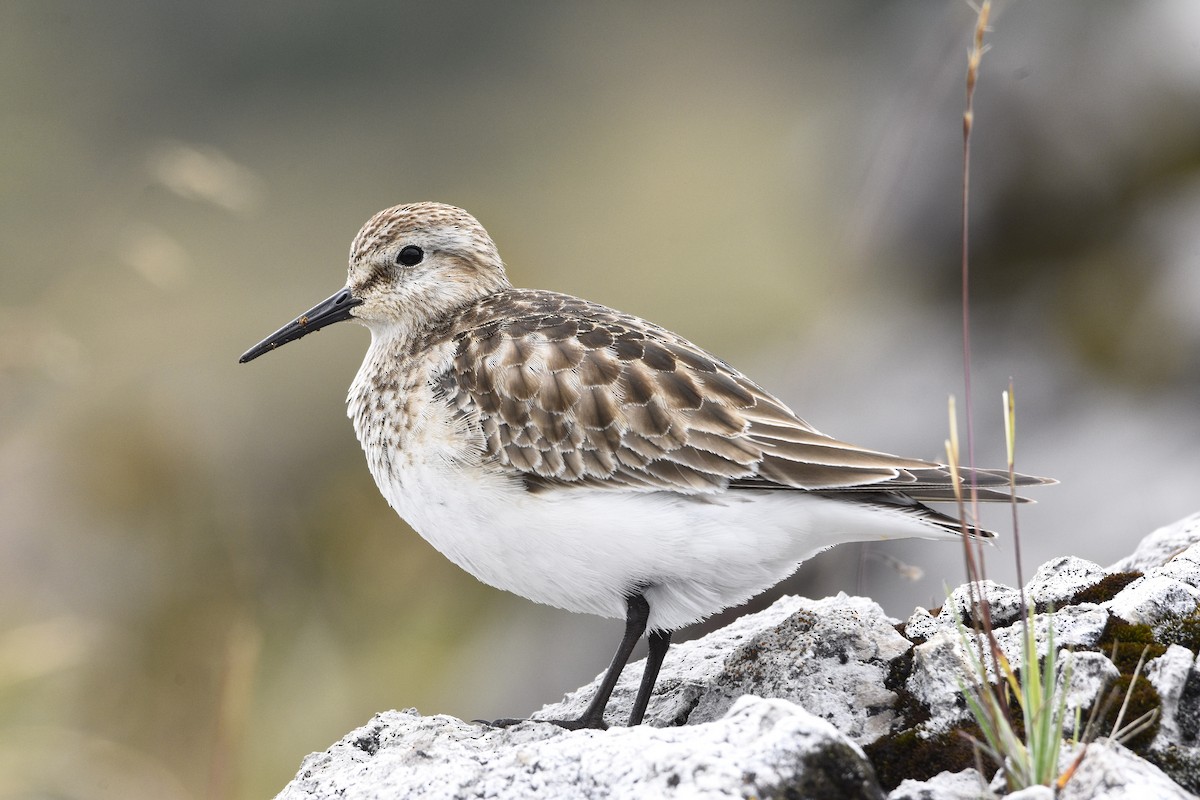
573, 393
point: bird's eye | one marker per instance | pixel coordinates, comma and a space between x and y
410, 256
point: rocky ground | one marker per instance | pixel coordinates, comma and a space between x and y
832, 698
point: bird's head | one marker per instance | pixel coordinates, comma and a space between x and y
409, 265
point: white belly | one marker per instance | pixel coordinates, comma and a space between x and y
586, 550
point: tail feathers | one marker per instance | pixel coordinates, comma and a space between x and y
947, 494
933, 484
990, 485
907, 504
937, 483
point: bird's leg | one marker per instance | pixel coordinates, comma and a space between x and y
637, 613
659, 642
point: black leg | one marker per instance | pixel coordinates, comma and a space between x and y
637, 613
659, 642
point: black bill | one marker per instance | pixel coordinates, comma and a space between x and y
326, 312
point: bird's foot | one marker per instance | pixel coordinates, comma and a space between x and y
583, 723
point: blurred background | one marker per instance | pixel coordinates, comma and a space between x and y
199, 583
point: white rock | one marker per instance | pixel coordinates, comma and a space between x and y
1004, 603
831, 656
1173, 674
943, 661
761, 748
1192, 554
1074, 626
1161, 546
1184, 567
1091, 674
965, 785
1058, 580
1032, 793
921, 624
938, 666
1110, 771
1152, 599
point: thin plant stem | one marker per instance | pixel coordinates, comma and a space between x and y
1010, 446
1010, 441
974, 58
973, 551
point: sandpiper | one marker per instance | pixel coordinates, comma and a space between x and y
588, 459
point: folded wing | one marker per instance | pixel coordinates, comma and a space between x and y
571, 393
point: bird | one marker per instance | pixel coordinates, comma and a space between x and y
591, 460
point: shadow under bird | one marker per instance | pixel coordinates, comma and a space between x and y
588, 459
